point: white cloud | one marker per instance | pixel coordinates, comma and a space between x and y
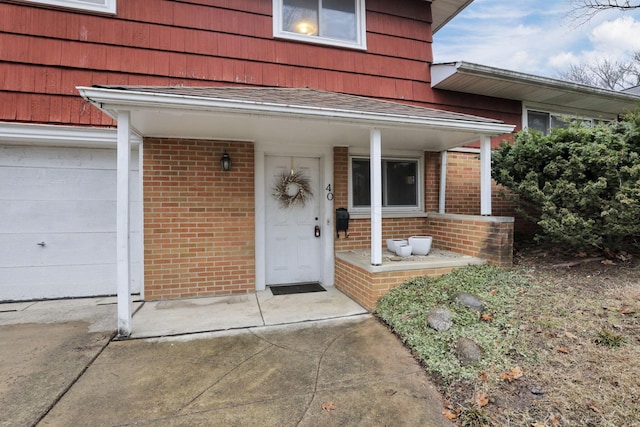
620, 35
613, 40
534, 36
562, 60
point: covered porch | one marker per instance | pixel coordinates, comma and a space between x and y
253, 126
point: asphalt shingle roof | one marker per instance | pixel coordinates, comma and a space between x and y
306, 99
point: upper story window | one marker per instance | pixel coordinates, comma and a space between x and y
103, 6
333, 22
544, 121
401, 189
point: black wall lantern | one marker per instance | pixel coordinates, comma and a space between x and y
225, 161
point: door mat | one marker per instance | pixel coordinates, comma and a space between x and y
301, 288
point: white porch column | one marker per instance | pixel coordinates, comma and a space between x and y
442, 200
123, 247
260, 220
376, 196
485, 175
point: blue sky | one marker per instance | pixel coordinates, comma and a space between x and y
534, 36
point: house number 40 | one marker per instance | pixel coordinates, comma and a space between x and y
329, 192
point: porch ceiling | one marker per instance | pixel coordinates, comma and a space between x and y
287, 116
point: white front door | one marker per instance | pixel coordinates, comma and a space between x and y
293, 249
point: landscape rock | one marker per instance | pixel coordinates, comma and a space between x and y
537, 390
468, 300
468, 352
439, 319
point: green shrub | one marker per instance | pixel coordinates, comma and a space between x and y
580, 184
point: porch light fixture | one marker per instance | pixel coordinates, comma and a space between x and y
225, 161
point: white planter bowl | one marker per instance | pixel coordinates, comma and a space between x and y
392, 244
421, 245
404, 251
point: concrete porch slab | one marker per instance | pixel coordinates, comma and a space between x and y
199, 315
187, 316
281, 309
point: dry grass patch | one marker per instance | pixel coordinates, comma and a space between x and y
573, 332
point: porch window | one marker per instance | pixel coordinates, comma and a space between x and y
544, 121
104, 6
400, 184
334, 22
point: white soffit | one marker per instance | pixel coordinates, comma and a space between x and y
495, 82
443, 11
161, 114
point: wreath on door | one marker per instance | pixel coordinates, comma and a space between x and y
292, 189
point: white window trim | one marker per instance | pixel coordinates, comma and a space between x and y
554, 110
107, 6
361, 30
390, 210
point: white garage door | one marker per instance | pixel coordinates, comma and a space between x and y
57, 222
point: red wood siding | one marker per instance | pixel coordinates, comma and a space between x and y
45, 53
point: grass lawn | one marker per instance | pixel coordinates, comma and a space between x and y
560, 335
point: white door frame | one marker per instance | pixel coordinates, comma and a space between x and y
325, 154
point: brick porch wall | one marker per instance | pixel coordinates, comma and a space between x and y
198, 220
490, 238
367, 288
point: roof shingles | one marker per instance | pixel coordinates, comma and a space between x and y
306, 98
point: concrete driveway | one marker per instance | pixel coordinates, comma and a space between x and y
349, 371
46, 346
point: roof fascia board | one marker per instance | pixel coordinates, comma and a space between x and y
445, 21
112, 100
440, 72
58, 135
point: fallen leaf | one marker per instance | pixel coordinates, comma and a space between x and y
483, 377
627, 311
563, 350
329, 406
623, 256
537, 425
487, 317
570, 335
493, 292
512, 374
555, 419
391, 392
607, 262
449, 414
581, 254
592, 406
481, 399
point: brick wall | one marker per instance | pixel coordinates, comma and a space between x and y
198, 220
367, 288
490, 238
463, 187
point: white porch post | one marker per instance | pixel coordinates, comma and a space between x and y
442, 202
485, 175
376, 196
123, 248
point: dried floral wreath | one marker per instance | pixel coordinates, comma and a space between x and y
293, 189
